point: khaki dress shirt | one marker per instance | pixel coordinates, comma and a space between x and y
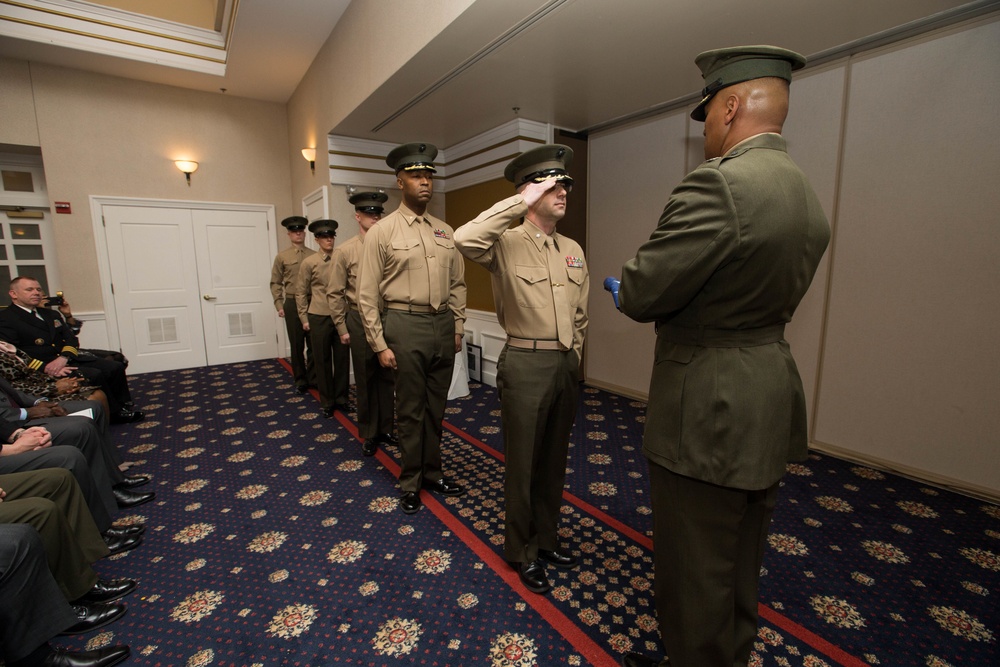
540, 283
312, 285
284, 273
409, 260
343, 285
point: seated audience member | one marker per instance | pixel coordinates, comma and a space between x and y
53, 346
15, 369
91, 436
64, 313
50, 500
34, 611
32, 449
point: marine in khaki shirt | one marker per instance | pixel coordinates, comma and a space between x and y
332, 359
540, 287
284, 274
412, 299
373, 383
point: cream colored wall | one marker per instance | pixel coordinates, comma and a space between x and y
895, 338
103, 135
17, 105
357, 58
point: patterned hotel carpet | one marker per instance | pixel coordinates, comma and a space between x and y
274, 542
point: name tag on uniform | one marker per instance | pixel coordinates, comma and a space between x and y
574, 262
441, 234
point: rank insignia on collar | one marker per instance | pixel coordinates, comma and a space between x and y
574, 262
39, 341
441, 234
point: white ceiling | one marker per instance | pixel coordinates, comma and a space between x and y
577, 64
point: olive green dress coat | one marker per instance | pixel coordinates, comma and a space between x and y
732, 255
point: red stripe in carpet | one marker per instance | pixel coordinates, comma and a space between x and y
580, 641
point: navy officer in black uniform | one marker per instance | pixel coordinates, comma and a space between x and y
53, 346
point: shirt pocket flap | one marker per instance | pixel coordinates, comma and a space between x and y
575, 274
404, 244
531, 274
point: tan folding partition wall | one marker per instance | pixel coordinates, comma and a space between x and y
897, 338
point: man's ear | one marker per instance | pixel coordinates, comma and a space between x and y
399, 182
732, 106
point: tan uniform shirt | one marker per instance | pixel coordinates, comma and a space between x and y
409, 259
311, 286
540, 283
284, 273
344, 281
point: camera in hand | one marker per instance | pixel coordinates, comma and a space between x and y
56, 300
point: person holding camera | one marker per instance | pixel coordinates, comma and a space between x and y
53, 346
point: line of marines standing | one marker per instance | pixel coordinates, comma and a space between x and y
732, 255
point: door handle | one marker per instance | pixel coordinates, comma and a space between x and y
208, 297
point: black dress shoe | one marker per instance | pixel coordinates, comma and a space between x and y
445, 487
102, 657
559, 559
106, 591
301, 388
369, 447
126, 416
638, 660
125, 531
117, 545
93, 616
533, 576
386, 439
409, 502
343, 407
127, 499
133, 481
327, 411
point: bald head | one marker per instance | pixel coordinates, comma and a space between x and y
743, 110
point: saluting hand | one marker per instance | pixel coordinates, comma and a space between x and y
533, 192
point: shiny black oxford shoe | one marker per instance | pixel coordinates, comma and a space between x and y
532, 576
127, 499
121, 544
444, 487
90, 617
409, 502
126, 416
133, 481
124, 531
108, 591
102, 657
559, 559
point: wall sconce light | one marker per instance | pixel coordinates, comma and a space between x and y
188, 167
310, 155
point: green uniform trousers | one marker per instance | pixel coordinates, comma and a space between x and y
373, 385
50, 500
539, 391
332, 361
424, 347
298, 342
708, 544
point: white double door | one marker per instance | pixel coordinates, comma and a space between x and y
190, 286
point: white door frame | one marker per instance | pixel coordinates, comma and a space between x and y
97, 204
